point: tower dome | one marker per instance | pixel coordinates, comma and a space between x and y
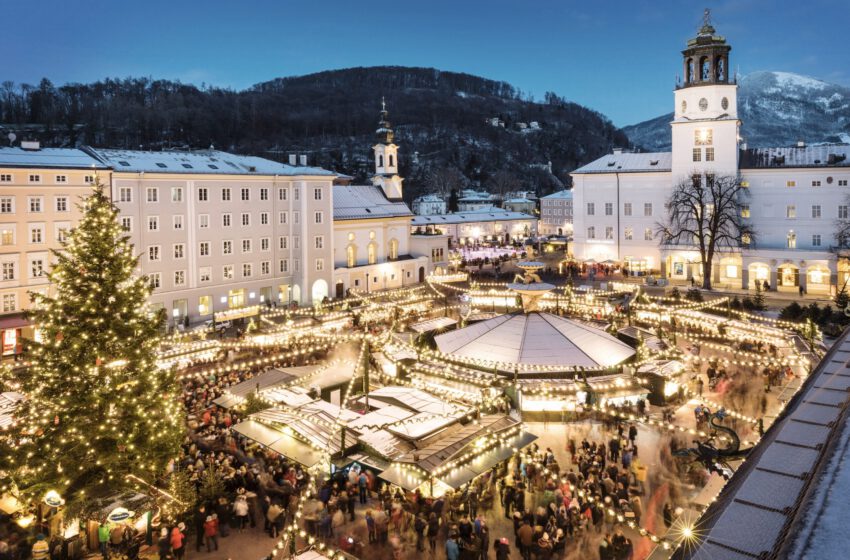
384, 133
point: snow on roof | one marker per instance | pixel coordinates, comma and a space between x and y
416, 400
421, 425
483, 215
629, 162
535, 339
429, 198
67, 158
354, 202
819, 155
381, 417
199, 162
519, 201
560, 194
789, 499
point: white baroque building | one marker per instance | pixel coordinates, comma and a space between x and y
796, 193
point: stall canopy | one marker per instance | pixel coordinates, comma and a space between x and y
415, 400
235, 394
279, 442
525, 340
433, 324
425, 465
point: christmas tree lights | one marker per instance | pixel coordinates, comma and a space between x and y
98, 409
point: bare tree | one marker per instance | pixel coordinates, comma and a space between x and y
704, 213
441, 180
502, 182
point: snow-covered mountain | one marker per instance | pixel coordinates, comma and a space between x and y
776, 108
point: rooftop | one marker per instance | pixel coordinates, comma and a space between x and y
820, 155
568, 194
355, 202
535, 339
199, 162
629, 162
66, 158
483, 215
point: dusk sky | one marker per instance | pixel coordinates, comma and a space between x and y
618, 57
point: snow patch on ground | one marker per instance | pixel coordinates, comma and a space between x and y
461, 94
829, 537
787, 79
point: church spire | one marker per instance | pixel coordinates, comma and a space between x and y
385, 131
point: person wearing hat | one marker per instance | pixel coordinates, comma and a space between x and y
164, 544
178, 538
40, 549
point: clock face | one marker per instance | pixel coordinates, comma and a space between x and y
724, 103
703, 104
684, 105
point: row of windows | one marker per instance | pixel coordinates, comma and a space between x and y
37, 178
36, 233
791, 211
817, 182
247, 245
627, 209
125, 194
791, 240
709, 154
35, 204
228, 272
226, 220
628, 233
9, 269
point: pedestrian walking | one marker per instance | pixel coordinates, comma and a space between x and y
211, 533
178, 540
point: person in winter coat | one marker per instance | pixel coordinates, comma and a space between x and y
240, 508
163, 545
178, 540
272, 515
222, 513
211, 533
452, 551
200, 519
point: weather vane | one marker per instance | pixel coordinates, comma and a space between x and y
383, 104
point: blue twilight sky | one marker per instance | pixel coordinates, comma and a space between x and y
620, 57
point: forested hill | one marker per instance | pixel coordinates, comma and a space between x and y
332, 117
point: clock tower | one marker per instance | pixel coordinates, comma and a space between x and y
386, 159
705, 122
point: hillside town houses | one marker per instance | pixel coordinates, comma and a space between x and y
796, 194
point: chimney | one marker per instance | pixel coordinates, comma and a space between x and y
302, 160
291, 159
30, 145
801, 144
618, 151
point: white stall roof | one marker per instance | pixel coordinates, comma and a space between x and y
535, 339
260, 382
382, 417
415, 400
433, 324
421, 425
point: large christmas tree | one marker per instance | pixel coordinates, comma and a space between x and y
98, 408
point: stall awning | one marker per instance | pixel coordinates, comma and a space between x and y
486, 460
407, 477
279, 442
13, 322
433, 324
709, 492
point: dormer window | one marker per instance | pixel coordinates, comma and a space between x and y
161, 165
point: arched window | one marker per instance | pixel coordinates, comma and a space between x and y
705, 69
373, 253
720, 69
393, 249
690, 77
391, 160
792, 239
380, 161
351, 256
